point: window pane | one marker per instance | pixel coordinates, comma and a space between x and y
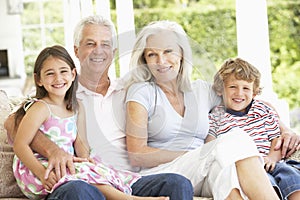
31, 13
32, 39
53, 11
55, 35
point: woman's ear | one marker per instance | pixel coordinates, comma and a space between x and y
219, 93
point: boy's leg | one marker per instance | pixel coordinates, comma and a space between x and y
167, 184
76, 190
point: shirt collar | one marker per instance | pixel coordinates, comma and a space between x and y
238, 113
115, 85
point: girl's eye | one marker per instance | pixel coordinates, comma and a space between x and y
49, 74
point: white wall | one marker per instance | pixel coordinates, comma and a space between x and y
11, 39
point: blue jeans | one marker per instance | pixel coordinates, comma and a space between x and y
175, 186
76, 190
285, 178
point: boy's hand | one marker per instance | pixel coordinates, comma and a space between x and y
269, 164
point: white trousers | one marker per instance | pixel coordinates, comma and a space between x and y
211, 167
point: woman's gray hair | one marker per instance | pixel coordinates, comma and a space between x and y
140, 71
97, 20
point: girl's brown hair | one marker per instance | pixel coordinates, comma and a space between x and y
61, 53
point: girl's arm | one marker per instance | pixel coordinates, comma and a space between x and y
81, 145
27, 129
140, 154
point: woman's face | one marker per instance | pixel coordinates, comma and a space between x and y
163, 56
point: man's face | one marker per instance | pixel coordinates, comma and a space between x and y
95, 51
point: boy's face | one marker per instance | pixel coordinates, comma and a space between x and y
237, 94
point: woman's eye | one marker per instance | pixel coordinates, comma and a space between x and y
169, 51
152, 54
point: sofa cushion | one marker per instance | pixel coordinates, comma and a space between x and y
8, 185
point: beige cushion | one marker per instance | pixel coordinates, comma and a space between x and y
8, 185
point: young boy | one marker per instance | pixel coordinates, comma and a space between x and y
238, 82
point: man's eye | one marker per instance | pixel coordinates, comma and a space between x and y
106, 45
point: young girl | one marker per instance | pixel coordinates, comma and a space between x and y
56, 112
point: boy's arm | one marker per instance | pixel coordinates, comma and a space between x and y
289, 141
273, 157
209, 138
58, 159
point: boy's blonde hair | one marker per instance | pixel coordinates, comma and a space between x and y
242, 70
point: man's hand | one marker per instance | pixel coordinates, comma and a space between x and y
59, 160
289, 143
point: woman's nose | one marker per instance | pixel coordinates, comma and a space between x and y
161, 59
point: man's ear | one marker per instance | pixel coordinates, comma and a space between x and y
76, 51
115, 51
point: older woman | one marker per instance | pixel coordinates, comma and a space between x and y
167, 122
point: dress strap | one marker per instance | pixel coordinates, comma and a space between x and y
40, 100
29, 101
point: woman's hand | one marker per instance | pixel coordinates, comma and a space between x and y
288, 142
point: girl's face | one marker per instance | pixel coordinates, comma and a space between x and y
163, 56
56, 76
237, 94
